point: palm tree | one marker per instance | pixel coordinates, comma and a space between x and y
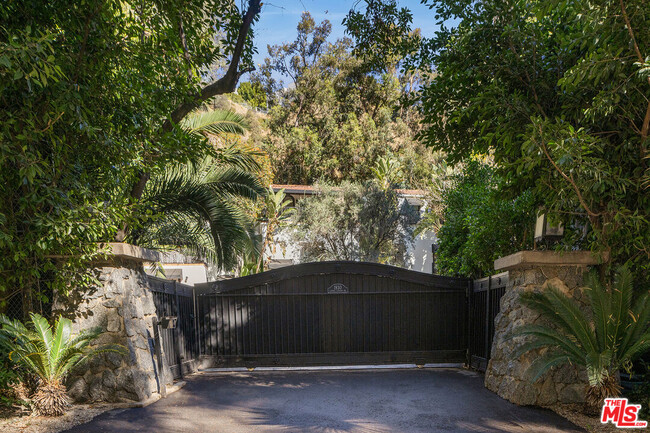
49, 353
616, 331
201, 206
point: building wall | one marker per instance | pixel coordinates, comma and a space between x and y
421, 256
192, 273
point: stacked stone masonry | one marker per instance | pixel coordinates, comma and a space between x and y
124, 307
507, 375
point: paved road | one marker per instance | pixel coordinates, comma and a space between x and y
377, 401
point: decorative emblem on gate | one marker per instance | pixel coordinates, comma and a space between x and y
337, 288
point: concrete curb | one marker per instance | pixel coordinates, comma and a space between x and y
331, 367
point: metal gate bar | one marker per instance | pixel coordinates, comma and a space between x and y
332, 313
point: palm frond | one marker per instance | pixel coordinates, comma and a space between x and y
548, 337
599, 302
639, 322
621, 294
544, 363
241, 156
217, 122
564, 312
201, 209
617, 331
49, 355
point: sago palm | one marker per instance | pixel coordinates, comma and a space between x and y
49, 353
616, 330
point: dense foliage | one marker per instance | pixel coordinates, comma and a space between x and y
353, 222
556, 91
8, 380
476, 224
90, 96
640, 392
336, 117
616, 331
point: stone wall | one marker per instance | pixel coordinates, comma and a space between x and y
506, 375
124, 307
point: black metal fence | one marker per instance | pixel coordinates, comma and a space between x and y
484, 306
333, 312
327, 313
180, 344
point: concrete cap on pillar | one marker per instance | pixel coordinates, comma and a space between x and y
528, 259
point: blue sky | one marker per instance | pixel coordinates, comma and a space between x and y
279, 19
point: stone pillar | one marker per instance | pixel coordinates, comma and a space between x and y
506, 375
123, 307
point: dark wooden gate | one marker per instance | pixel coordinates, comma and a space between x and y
484, 307
333, 313
180, 344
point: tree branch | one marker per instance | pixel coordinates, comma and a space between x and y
225, 84
186, 53
568, 179
228, 82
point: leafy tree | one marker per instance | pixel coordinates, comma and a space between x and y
353, 222
337, 117
253, 93
50, 353
616, 331
556, 92
91, 93
477, 224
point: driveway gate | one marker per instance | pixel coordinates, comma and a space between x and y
333, 313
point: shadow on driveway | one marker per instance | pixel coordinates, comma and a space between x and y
373, 401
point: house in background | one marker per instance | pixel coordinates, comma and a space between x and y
421, 251
180, 267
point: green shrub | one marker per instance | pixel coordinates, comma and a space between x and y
8, 378
480, 224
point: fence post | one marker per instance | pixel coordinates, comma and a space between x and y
470, 300
197, 330
179, 353
488, 294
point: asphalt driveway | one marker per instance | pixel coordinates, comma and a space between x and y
377, 401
